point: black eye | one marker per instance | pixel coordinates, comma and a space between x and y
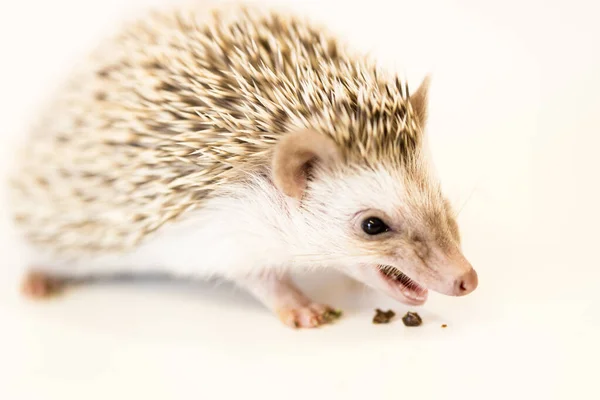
374, 226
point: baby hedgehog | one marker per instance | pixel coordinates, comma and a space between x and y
242, 144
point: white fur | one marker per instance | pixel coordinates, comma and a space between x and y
230, 235
252, 227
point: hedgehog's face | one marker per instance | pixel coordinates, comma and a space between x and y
387, 227
398, 232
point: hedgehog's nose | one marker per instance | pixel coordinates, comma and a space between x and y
466, 283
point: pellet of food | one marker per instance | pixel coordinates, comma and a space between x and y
412, 319
332, 315
383, 317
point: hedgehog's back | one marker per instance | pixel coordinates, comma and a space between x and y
175, 106
143, 131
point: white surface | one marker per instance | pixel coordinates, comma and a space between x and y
514, 121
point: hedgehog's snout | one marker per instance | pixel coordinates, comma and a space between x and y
466, 283
457, 273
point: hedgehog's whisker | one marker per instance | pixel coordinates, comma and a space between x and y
466, 201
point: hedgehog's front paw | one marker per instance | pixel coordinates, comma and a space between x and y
310, 316
292, 306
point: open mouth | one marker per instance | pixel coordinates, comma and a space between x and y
409, 288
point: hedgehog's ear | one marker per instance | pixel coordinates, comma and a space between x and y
419, 100
295, 154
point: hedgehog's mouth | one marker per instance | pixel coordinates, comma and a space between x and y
396, 280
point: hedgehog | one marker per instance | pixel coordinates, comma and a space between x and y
240, 143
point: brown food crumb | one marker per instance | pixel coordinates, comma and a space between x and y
412, 319
444, 325
332, 315
383, 317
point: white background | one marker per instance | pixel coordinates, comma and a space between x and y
515, 134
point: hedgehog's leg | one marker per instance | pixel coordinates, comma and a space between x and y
37, 284
294, 308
